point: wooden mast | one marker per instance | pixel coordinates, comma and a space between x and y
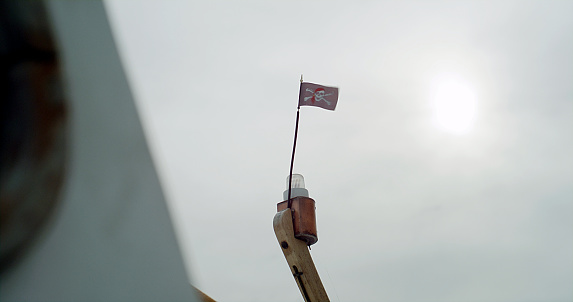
299, 259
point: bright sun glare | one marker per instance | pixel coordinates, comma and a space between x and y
454, 104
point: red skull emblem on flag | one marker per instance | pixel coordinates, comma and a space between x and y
317, 95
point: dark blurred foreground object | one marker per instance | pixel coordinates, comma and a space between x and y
112, 238
33, 127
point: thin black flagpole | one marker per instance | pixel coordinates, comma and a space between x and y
294, 146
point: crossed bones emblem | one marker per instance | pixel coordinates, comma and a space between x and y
317, 95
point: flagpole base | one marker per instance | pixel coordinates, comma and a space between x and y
304, 218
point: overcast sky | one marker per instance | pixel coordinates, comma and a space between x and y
412, 205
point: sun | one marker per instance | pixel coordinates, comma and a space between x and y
454, 104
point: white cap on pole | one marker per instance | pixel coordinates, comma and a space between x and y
297, 188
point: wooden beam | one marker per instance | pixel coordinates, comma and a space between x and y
202, 296
299, 259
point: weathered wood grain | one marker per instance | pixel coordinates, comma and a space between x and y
299, 259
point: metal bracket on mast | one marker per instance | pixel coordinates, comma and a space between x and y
299, 259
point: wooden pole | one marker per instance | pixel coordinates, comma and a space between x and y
299, 259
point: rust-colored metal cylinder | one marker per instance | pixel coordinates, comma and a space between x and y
304, 218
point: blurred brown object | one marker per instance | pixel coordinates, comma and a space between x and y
203, 296
33, 127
